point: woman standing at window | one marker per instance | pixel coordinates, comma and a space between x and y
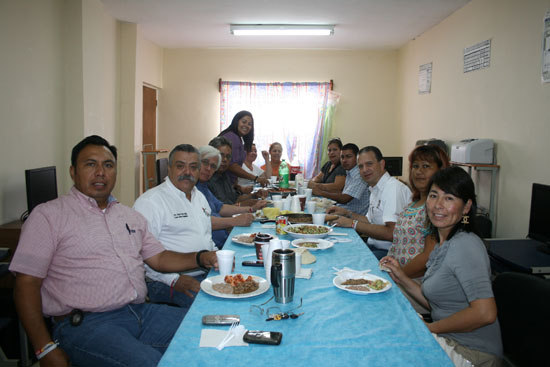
241, 134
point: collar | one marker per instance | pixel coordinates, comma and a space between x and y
355, 168
381, 182
170, 186
85, 199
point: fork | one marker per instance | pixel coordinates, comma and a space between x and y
228, 336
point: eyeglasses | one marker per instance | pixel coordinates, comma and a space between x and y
211, 165
275, 312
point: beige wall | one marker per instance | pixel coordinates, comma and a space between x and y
505, 102
189, 100
61, 77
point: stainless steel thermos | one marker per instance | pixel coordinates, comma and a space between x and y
283, 270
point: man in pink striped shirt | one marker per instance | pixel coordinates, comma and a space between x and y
80, 261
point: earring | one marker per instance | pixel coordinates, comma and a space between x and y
465, 219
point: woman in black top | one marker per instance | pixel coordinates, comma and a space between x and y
332, 177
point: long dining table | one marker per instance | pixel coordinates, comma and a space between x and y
337, 328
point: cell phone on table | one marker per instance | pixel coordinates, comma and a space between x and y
258, 263
263, 337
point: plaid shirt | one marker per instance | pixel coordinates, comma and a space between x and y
357, 188
88, 258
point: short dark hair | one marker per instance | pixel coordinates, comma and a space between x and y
352, 147
375, 150
428, 153
220, 141
91, 140
336, 141
188, 148
455, 181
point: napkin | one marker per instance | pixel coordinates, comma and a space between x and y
213, 337
304, 273
347, 273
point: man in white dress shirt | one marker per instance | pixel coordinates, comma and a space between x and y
388, 198
178, 215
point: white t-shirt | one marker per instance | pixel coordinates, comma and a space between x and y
388, 198
180, 224
256, 171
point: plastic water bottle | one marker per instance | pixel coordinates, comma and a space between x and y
284, 174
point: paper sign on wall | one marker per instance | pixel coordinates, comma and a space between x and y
425, 79
477, 56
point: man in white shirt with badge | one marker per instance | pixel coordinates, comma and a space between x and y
388, 198
178, 215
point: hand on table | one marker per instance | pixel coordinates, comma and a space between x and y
209, 260
396, 273
262, 194
315, 190
260, 204
343, 222
262, 181
243, 220
185, 283
246, 189
338, 210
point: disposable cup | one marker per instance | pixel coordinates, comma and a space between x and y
308, 193
267, 263
225, 261
285, 244
310, 206
278, 204
318, 218
298, 259
302, 199
276, 197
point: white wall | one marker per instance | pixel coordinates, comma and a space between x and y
505, 102
189, 101
31, 98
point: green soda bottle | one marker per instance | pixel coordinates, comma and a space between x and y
284, 174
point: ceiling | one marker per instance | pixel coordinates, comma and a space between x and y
359, 24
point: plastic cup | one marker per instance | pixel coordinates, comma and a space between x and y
273, 180
225, 261
302, 199
310, 206
286, 204
285, 244
267, 262
276, 197
298, 259
278, 204
308, 193
319, 219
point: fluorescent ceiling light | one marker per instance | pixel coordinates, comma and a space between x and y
281, 30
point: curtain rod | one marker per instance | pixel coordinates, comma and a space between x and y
220, 85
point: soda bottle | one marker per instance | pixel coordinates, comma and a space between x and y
284, 174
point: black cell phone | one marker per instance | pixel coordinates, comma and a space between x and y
263, 337
254, 263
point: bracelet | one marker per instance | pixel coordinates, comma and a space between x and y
46, 349
198, 258
354, 224
255, 179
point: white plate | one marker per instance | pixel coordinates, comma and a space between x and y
206, 286
321, 244
299, 235
337, 281
258, 215
234, 239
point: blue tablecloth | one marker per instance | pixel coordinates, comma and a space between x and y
337, 329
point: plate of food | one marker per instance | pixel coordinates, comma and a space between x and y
312, 244
245, 239
322, 203
281, 191
308, 230
363, 285
234, 286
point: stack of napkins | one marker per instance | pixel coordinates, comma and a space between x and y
304, 273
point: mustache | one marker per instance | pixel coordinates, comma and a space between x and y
187, 177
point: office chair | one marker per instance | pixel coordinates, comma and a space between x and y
522, 302
162, 169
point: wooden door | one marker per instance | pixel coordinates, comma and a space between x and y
149, 135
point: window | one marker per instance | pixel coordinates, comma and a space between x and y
297, 115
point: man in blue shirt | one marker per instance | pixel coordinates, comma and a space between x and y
222, 214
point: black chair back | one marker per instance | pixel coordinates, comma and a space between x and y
162, 169
523, 303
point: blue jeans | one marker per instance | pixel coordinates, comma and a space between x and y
134, 335
378, 252
160, 293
